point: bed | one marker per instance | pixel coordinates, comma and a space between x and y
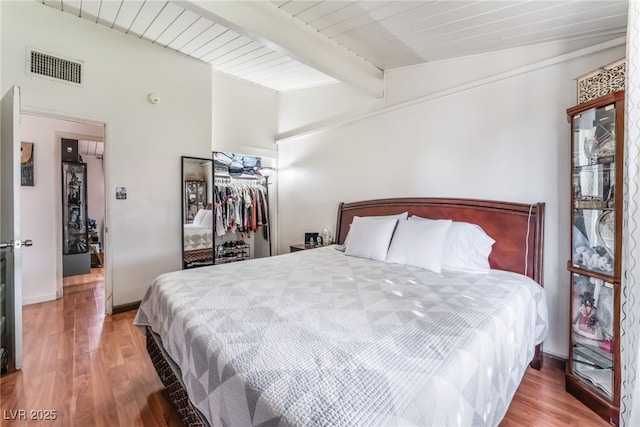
322, 337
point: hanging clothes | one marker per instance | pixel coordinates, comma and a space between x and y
241, 206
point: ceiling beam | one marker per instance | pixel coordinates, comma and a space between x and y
266, 23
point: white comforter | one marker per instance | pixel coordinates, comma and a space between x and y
320, 338
197, 237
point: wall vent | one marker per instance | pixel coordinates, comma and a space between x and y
54, 67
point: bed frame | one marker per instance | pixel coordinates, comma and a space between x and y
517, 228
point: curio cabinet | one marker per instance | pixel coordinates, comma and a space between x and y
593, 366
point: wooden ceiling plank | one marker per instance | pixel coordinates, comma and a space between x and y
264, 22
467, 35
220, 41
245, 58
193, 31
427, 19
210, 35
276, 61
515, 37
276, 71
294, 75
179, 26
108, 12
513, 43
321, 10
163, 21
538, 22
279, 2
227, 57
147, 14
264, 56
342, 15
228, 48
294, 8
71, 6
371, 17
90, 9
128, 12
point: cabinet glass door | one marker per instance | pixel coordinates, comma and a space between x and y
592, 333
594, 164
74, 202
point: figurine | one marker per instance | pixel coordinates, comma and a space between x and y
586, 322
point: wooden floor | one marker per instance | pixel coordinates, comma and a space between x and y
93, 370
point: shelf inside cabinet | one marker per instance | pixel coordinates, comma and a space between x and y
594, 239
601, 380
593, 333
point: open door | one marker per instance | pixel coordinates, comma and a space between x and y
10, 243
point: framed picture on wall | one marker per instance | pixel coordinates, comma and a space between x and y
26, 164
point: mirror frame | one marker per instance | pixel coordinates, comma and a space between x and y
184, 159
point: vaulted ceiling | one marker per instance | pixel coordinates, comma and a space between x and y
290, 44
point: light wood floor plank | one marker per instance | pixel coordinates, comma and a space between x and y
93, 370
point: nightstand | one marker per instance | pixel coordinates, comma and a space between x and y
301, 247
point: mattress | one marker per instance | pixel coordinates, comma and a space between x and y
196, 237
317, 337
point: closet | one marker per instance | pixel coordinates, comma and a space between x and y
240, 208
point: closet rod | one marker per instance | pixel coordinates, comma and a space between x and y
237, 177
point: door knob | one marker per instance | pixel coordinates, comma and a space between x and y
15, 244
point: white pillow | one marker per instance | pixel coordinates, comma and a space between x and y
207, 221
466, 248
197, 220
400, 216
419, 243
370, 237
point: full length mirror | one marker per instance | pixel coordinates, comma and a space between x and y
197, 214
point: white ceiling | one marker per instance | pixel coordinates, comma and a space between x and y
90, 148
290, 44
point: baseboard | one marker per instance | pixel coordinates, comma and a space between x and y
554, 361
38, 299
125, 307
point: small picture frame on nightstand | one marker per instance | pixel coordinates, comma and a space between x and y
311, 238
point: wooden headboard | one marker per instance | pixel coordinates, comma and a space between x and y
517, 228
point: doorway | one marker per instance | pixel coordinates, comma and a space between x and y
83, 211
42, 207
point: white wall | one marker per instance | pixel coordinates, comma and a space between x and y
144, 141
505, 140
38, 203
244, 117
303, 109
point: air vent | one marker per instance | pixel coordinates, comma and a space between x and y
54, 67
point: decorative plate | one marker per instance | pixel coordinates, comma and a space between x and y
606, 229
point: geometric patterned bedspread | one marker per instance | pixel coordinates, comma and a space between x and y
196, 237
318, 338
